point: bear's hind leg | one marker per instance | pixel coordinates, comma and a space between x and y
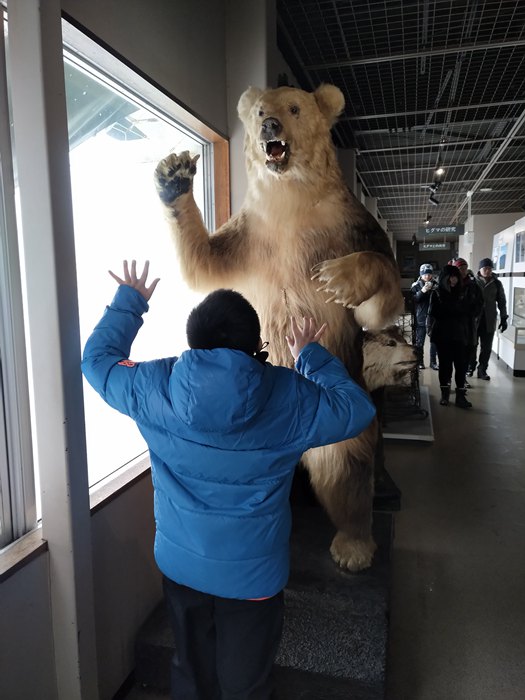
342, 479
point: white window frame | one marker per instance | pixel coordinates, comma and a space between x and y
17, 483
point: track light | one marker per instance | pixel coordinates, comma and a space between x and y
433, 200
439, 171
427, 219
414, 239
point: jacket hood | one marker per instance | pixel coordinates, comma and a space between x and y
218, 390
446, 273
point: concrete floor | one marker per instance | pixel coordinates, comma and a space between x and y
458, 568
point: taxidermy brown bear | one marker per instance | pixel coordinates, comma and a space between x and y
301, 245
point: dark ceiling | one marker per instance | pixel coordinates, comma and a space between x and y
427, 84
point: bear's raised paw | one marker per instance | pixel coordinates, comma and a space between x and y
174, 176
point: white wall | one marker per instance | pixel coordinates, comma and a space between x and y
477, 242
26, 640
179, 45
127, 583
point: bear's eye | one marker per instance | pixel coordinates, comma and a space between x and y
391, 343
261, 112
294, 109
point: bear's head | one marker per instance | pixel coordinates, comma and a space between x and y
387, 358
287, 130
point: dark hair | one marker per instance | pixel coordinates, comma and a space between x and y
224, 319
446, 273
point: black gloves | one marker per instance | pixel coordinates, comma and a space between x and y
503, 325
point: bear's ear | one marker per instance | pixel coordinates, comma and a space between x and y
330, 101
246, 102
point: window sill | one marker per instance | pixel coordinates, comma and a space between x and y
103, 493
19, 553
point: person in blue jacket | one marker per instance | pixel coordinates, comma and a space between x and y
225, 430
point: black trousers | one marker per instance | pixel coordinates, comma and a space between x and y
420, 336
452, 355
224, 648
486, 338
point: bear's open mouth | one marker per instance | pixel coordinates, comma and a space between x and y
277, 153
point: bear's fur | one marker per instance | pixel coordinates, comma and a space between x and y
301, 245
388, 359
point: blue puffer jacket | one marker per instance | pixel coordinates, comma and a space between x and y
224, 433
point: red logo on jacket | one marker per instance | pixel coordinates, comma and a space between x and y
127, 363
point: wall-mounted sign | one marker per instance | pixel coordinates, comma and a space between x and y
446, 230
434, 246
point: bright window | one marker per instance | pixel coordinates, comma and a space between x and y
116, 141
119, 126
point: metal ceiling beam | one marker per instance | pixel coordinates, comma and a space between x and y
493, 161
437, 144
424, 127
442, 192
388, 115
462, 48
447, 167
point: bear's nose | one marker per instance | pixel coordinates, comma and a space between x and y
271, 128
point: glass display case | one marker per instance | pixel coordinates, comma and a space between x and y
511, 346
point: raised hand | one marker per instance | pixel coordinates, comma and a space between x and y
302, 335
138, 283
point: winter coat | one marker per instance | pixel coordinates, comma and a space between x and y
225, 433
475, 299
494, 298
421, 300
450, 311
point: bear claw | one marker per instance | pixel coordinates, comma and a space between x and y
174, 176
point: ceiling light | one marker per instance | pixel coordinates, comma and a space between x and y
433, 200
440, 171
485, 189
427, 219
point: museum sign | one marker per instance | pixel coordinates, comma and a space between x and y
445, 230
434, 246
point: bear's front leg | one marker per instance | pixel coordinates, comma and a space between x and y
367, 282
174, 176
342, 479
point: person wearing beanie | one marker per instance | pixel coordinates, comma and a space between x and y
468, 282
225, 431
421, 290
449, 315
494, 300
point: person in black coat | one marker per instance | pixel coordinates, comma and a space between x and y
475, 295
449, 322
421, 290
